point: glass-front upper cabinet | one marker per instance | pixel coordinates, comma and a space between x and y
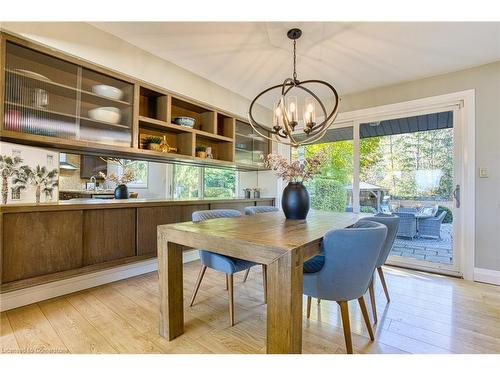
250, 146
51, 97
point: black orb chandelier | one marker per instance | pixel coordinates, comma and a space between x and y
285, 127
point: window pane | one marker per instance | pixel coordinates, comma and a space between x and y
140, 169
186, 182
219, 183
330, 190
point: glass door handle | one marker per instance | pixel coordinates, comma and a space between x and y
456, 195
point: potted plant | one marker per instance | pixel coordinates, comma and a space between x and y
152, 142
295, 200
120, 179
201, 152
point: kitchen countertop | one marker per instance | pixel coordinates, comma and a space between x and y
85, 203
88, 191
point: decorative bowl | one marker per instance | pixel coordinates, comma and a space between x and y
107, 91
106, 114
184, 121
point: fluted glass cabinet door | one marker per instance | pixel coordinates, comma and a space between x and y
47, 96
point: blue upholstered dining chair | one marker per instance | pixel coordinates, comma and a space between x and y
254, 210
345, 270
392, 224
218, 262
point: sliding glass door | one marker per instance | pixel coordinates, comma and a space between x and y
404, 165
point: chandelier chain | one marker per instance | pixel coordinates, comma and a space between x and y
294, 61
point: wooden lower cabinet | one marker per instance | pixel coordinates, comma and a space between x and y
108, 234
148, 218
43, 246
270, 202
40, 243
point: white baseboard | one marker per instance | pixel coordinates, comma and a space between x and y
487, 276
22, 297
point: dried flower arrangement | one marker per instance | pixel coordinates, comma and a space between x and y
128, 174
296, 171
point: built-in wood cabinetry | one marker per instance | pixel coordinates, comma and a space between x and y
41, 243
250, 147
108, 234
49, 99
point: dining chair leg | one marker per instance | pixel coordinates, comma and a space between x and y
372, 301
384, 285
309, 298
226, 283
246, 274
362, 304
264, 281
344, 310
230, 291
319, 301
198, 283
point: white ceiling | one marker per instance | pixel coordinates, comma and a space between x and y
247, 57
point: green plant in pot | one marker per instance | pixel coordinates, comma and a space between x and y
152, 143
295, 200
201, 152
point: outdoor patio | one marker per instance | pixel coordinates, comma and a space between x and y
430, 249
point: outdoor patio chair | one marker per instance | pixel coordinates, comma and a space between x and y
412, 210
431, 227
407, 224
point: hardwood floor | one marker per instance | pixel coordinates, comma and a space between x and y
427, 314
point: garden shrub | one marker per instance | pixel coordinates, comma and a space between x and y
328, 195
218, 192
449, 215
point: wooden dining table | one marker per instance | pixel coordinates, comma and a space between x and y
269, 239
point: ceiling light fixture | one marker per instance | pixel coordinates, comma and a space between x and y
286, 109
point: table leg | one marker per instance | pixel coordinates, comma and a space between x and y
284, 305
171, 289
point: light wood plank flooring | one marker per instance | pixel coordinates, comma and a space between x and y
427, 314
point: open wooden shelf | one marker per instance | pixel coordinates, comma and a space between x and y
205, 119
153, 104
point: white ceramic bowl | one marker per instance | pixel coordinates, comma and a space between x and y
106, 114
107, 91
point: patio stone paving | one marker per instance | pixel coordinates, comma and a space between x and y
430, 249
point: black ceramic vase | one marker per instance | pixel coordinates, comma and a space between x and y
121, 192
295, 201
